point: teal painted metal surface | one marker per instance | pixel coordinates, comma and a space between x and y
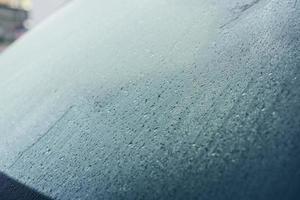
159, 99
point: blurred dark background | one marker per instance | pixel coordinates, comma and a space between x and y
11, 189
19, 16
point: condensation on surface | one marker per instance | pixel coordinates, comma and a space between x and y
156, 100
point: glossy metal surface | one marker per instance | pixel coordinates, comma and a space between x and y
156, 99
